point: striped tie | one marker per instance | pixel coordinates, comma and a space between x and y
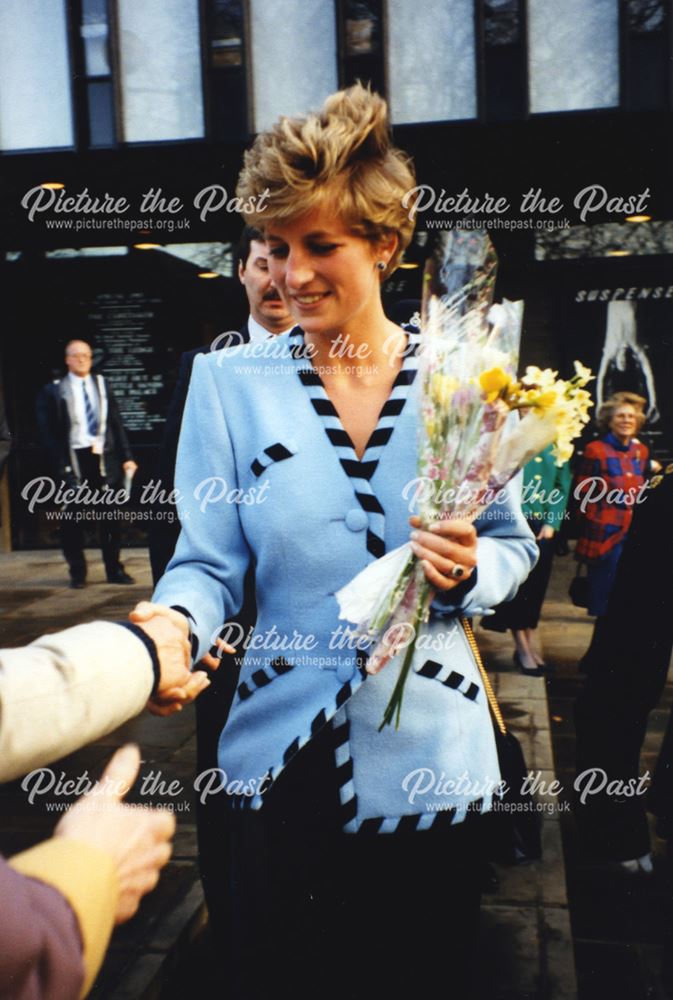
91, 421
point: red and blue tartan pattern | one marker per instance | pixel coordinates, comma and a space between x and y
605, 521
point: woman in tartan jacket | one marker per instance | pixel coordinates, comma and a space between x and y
610, 480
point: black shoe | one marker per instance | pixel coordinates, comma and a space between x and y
77, 584
120, 577
538, 672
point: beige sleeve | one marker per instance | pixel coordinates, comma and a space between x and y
67, 689
87, 878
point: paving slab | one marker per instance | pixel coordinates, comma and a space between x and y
163, 952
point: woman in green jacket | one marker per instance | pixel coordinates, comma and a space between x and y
545, 496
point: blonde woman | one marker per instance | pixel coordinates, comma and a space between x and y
609, 483
354, 855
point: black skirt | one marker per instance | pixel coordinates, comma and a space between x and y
313, 911
523, 611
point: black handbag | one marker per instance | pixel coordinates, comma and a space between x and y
579, 587
512, 828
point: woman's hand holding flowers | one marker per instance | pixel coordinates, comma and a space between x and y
443, 547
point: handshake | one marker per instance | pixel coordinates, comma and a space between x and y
169, 631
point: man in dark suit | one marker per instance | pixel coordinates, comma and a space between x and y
268, 317
82, 431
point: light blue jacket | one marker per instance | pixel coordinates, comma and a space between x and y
250, 427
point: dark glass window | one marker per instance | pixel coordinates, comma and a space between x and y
644, 16
505, 83
101, 113
645, 57
502, 22
98, 88
225, 28
360, 43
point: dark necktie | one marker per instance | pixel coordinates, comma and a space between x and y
91, 422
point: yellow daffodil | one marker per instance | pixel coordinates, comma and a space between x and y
562, 451
544, 378
545, 400
492, 382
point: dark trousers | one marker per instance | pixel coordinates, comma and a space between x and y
660, 800
72, 530
601, 574
315, 912
212, 711
623, 686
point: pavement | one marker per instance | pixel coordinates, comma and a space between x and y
556, 929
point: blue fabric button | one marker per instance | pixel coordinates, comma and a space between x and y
356, 519
345, 672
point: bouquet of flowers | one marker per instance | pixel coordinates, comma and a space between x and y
467, 366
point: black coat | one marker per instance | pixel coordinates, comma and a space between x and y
53, 424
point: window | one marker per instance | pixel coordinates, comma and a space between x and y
504, 55
294, 65
431, 60
225, 29
35, 95
646, 59
573, 54
94, 32
160, 70
361, 43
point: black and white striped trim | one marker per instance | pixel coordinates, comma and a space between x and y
449, 678
317, 723
360, 471
274, 453
344, 770
260, 678
413, 823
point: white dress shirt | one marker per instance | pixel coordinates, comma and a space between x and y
258, 332
79, 435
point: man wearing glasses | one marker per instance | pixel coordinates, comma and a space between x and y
80, 426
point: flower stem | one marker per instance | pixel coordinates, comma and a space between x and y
394, 706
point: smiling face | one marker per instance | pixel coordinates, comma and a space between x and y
327, 276
624, 422
266, 305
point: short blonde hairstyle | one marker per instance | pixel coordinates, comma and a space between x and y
342, 153
617, 399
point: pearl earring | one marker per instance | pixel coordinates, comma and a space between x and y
381, 264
